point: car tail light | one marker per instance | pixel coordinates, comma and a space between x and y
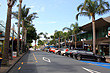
70, 52
66, 49
53, 50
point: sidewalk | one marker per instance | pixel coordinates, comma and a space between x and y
4, 69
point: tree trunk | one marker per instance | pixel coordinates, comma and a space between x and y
94, 38
75, 40
22, 44
25, 34
65, 43
25, 38
59, 42
7, 37
19, 20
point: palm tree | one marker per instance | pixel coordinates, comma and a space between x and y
65, 36
58, 34
90, 8
26, 20
37, 37
75, 31
10, 4
19, 20
70, 32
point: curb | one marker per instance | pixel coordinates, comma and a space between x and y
14, 63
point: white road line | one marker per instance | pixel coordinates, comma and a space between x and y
46, 59
91, 71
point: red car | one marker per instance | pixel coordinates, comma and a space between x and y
52, 50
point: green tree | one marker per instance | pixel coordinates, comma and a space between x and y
40, 42
70, 32
37, 37
31, 34
10, 4
26, 21
65, 36
75, 31
90, 8
58, 35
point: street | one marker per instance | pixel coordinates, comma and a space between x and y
43, 62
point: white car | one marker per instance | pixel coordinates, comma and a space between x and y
31, 49
63, 51
56, 51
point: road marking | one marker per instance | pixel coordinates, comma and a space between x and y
46, 59
35, 57
90, 70
90, 63
21, 62
26, 62
19, 68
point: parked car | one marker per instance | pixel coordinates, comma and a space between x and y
47, 50
62, 51
52, 50
56, 50
68, 53
82, 54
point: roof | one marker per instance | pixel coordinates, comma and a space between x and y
101, 22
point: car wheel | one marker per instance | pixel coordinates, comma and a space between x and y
78, 57
64, 54
98, 59
68, 55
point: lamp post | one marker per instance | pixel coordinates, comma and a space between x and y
83, 41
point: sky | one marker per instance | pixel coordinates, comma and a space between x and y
53, 14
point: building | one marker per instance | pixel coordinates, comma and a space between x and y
2, 34
84, 38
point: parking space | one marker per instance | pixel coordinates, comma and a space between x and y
105, 65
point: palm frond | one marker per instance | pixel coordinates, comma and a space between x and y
15, 15
82, 14
66, 28
78, 8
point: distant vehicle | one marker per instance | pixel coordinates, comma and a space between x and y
68, 53
52, 50
62, 51
31, 49
38, 49
56, 50
81, 54
79, 49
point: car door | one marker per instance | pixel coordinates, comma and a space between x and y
83, 54
89, 55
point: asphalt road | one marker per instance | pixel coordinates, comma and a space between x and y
43, 62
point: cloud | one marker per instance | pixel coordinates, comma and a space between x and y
52, 22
